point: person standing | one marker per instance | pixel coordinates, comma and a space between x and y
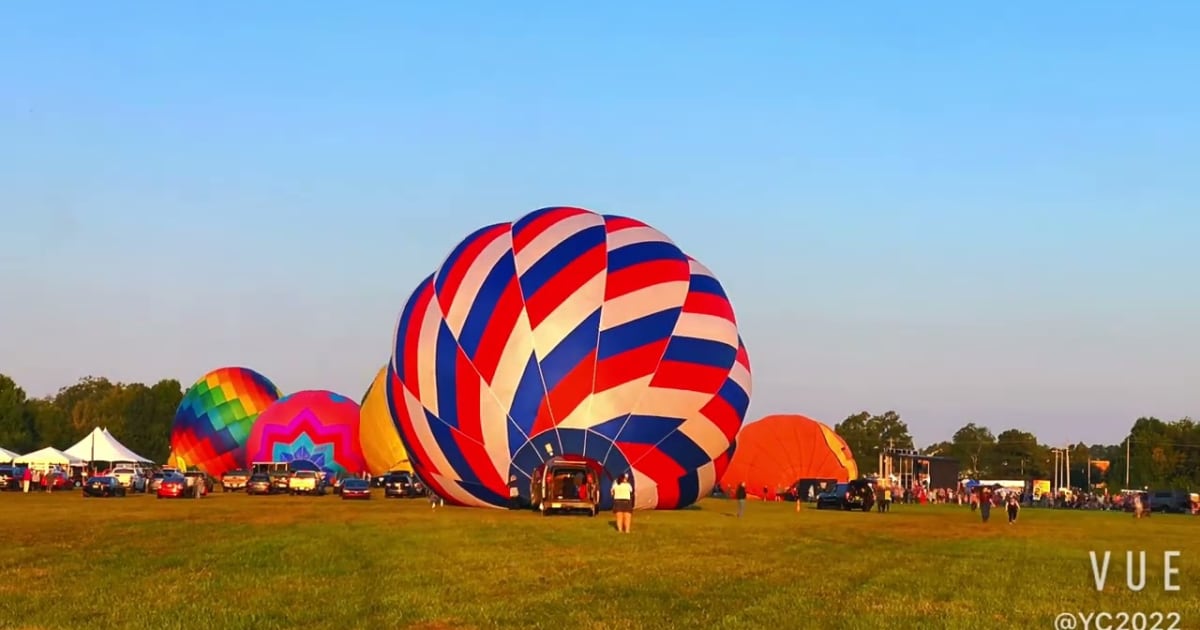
741, 499
985, 505
622, 493
26, 477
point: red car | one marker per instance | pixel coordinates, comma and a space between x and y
356, 489
173, 487
57, 481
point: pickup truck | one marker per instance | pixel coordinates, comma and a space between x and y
305, 482
129, 478
234, 480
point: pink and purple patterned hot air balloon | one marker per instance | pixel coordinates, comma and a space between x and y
570, 333
314, 426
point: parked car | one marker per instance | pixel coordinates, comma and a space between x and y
398, 484
259, 483
129, 478
279, 480
858, 494
305, 482
172, 486
234, 480
1170, 501
356, 489
57, 481
103, 487
156, 480
11, 476
195, 476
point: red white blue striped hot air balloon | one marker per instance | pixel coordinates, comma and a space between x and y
568, 332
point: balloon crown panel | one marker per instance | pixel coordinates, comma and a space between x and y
567, 332
315, 426
213, 421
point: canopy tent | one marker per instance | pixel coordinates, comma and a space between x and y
49, 455
7, 456
101, 446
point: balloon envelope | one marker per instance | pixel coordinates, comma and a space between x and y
378, 434
314, 426
214, 418
567, 332
777, 451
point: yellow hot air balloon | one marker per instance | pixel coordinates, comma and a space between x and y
381, 445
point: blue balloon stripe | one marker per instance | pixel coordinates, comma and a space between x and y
571, 351
528, 397
638, 253
446, 375
485, 303
706, 284
637, 333
701, 352
558, 258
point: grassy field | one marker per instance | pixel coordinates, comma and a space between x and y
232, 561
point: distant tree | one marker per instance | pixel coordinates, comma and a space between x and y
1018, 455
867, 434
973, 446
16, 429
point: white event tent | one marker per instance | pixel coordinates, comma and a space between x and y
49, 456
101, 446
7, 456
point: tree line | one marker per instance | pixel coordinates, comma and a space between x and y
137, 414
1161, 454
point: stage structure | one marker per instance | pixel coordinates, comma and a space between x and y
910, 467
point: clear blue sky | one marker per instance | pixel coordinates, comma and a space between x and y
961, 213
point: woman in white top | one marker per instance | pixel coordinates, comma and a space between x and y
622, 492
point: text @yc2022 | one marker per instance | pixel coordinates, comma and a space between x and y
1120, 620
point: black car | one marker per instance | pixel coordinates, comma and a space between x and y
399, 484
855, 495
103, 487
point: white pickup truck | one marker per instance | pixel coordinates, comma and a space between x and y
305, 482
129, 478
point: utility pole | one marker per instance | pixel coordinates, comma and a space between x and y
1126, 462
1089, 471
1067, 465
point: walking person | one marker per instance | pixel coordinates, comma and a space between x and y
741, 499
887, 498
1014, 507
622, 493
985, 505
26, 477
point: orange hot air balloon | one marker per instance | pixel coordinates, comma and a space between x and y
777, 451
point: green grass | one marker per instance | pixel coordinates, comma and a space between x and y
232, 561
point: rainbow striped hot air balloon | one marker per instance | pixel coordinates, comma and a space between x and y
214, 418
569, 333
316, 426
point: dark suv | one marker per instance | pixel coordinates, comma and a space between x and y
400, 484
855, 495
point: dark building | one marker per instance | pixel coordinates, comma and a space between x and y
910, 467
